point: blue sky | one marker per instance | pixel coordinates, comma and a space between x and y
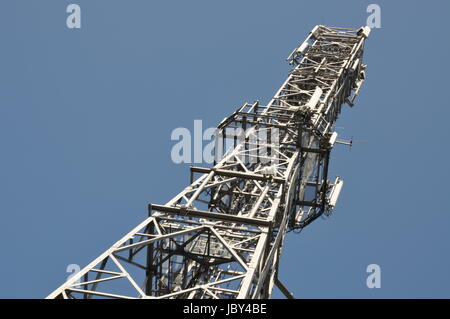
86, 117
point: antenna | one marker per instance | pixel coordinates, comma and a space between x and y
221, 236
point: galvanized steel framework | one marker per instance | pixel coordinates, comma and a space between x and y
221, 237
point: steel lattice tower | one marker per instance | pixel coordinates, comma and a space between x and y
221, 237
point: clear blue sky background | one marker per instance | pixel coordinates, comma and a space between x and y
86, 117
